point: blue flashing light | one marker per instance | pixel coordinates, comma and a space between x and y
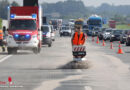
27, 36
12, 16
8, 7
44, 33
16, 36
34, 16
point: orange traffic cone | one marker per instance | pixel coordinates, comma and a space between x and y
97, 40
103, 44
93, 39
120, 50
111, 46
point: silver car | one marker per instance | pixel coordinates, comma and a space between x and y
107, 34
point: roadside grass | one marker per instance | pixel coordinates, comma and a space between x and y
124, 27
0, 23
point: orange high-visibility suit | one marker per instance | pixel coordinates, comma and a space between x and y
78, 39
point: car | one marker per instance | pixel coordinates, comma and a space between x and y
89, 33
106, 34
128, 38
123, 36
100, 33
53, 33
115, 35
65, 31
95, 31
85, 29
46, 33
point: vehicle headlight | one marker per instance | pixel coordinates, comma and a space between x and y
69, 31
10, 36
34, 36
113, 35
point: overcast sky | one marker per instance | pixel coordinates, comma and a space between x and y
89, 2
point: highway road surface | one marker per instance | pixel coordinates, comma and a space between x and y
27, 71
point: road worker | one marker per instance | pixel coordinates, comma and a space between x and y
79, 37
1, 40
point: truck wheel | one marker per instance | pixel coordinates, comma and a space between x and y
53, 39
122, 42
127, 44
35, 50
9, 50
111, 40
100, 38
39, 50
12, 50
49, 45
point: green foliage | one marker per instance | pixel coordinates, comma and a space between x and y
119, 26
0, 23
123, 27
67, 9
3, 8
14, 3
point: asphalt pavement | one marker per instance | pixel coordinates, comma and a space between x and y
107, 69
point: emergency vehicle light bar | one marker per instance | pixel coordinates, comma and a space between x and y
34, 16
13, 16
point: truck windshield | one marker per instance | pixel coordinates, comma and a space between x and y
22, 25
79, 22
94, 22
45, 29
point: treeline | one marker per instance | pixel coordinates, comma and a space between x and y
4, 8
0, 23
75, 9
66, 9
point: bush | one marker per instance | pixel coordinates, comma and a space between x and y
0, 23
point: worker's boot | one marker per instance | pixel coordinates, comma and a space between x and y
3, 48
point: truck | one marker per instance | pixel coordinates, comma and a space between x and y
57, 23
24, 32
94, 21
79, 22
112, 24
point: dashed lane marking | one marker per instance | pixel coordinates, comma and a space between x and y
5, 58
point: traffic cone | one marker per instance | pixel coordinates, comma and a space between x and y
103, 44
93, 39
111, 46
97, 40
120, 50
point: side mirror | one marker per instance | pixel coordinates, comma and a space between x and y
39, 30
52, 31
7, 29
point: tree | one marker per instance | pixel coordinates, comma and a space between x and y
4, 8
14, 4
0, 23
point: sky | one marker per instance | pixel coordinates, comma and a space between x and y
94, 3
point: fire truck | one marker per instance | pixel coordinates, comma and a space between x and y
24, 30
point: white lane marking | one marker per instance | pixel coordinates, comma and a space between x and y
5, 58
52, 84
88, 88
